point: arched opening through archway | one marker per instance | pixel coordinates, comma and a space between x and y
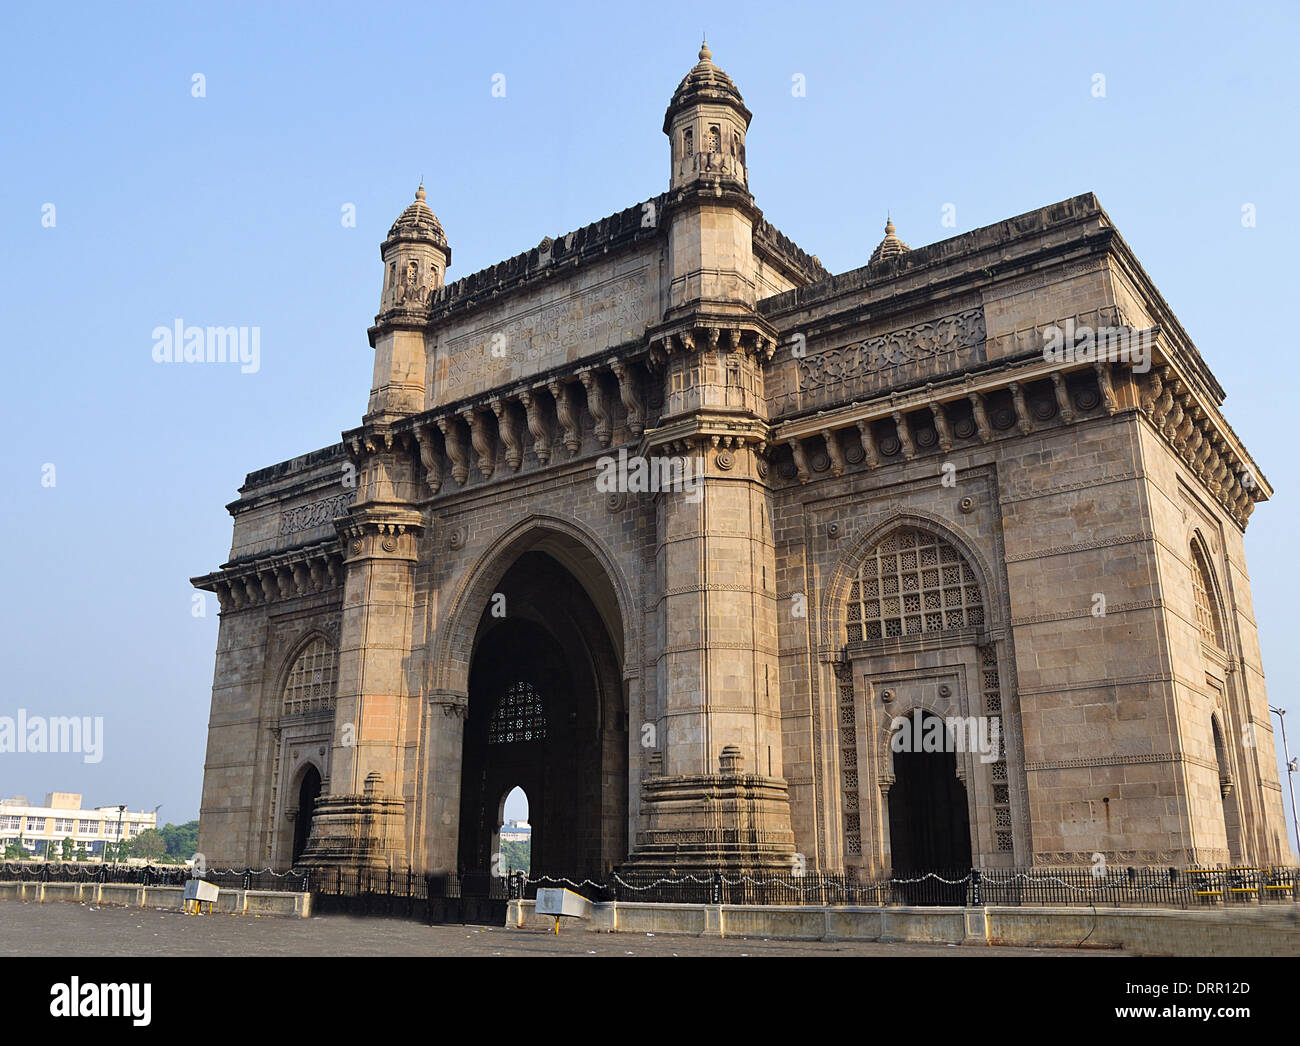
929, 823
514, 833
308, 793
547, 715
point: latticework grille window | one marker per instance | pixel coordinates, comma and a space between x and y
911, 583
1207, 615
311, 682
518, 716
1001, 789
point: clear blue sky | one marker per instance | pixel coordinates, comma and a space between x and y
225, 210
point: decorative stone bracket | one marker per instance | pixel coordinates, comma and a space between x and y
256, 582
380, 532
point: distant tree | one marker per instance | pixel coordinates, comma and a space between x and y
182, 840
150, 844
67, 848
515, 855
81, 851
13, 852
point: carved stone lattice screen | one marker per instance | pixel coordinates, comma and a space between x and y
518, 716
992, 688
848, 727
1207, 617
912, 582
311, 682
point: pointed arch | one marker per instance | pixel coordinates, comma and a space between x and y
835, 594
573, 545
309, 679
308, 783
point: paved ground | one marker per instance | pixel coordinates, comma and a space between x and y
66, 928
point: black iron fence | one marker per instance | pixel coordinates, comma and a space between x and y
88, 872
480, 898
150, 875
474, 899
1152, 888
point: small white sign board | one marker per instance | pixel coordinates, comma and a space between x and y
558, 901
198, 890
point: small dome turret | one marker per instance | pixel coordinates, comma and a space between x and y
418, 222
415, 256
706, 123
891, 246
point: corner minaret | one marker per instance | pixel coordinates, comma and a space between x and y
416, 257
718, 700
707, 122
710, 213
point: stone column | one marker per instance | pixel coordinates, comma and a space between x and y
444, 744
718, 670
361, 824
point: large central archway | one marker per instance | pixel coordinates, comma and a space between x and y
546, 713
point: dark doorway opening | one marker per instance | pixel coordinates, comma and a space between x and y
308, 793
929, 824
1228, 800
546, 715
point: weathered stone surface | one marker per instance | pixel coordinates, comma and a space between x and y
885, 501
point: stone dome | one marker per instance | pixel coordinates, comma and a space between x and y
890, 247
418, 222
706, 84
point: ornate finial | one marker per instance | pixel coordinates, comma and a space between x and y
889, 226
705, 54
419, 193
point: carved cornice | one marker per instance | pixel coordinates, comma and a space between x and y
741, 332
1196, 432
261, 580
380, 531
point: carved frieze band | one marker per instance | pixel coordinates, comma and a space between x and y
1096, 684
315, 513
1080, 546
1118, 760
1070, 615
925, 341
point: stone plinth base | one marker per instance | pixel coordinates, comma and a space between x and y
357, 833
729, 821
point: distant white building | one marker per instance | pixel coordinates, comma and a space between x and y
516, 832
63, 818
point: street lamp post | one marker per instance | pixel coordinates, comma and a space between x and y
1292, 766
118, 853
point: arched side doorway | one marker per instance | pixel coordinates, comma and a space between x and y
308, 793
929, 826
546, 714
916, 617
1227, 795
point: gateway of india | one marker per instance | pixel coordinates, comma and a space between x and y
886, 505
